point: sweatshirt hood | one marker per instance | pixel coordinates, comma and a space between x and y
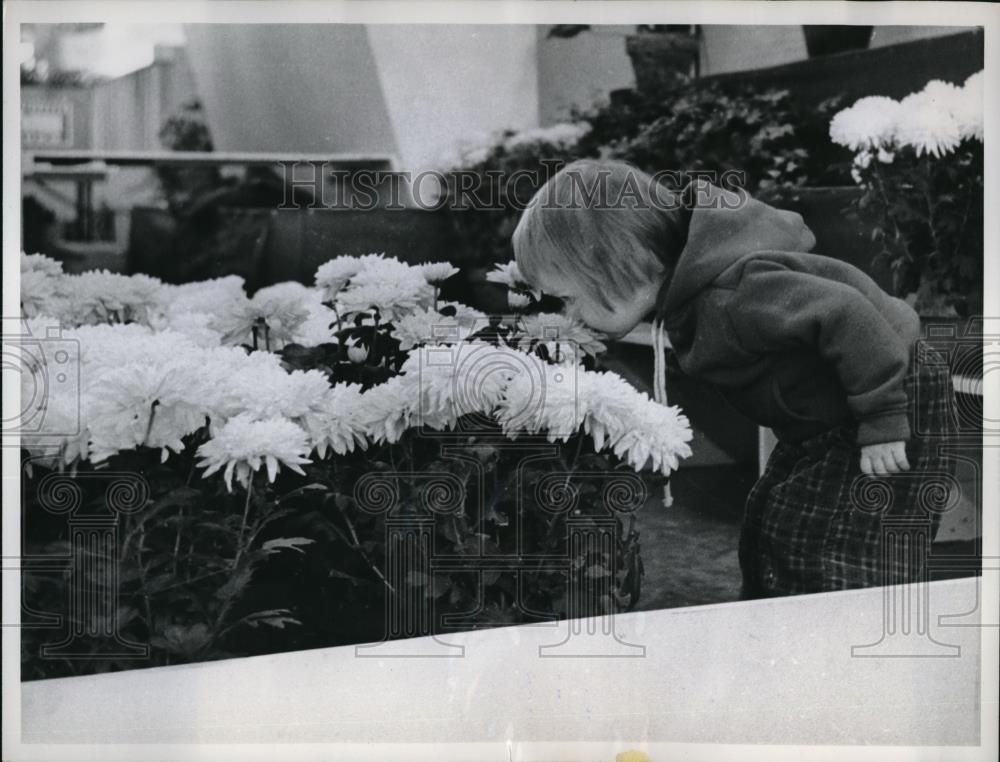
725, 226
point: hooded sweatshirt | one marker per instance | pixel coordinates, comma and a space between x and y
796, 341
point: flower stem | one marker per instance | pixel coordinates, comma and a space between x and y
243, 525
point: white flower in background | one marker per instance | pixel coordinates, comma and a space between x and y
509, 275
968, 109
41, 264
559, 333
517, 301
437, 273
332, 276
886, 157
926, 126
426, 327
868, 124
242, 445
145, 405
562, 135
99, 296
267, 321
336, 422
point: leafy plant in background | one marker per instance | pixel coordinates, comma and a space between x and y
278, 435
919, 164
702, 126
762, 138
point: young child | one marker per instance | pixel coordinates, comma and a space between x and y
804, 344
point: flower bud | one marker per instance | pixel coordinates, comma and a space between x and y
357, 354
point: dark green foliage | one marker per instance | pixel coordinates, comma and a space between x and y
928, 219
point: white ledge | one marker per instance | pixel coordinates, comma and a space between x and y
774, 671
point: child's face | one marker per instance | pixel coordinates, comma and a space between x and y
622, 317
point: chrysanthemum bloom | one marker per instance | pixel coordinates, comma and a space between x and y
427, 326
203, 296
543, 398
62, 436
637, 429
437, 273
336, 422
510, 276
384, 411
137, 405
332, 276
242, 445
267, 321
968, 109
41, 294
869, 124
99, 296
926, 127
40, 263
559, 333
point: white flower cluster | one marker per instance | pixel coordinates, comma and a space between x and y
933, 121
155, 381
562, 135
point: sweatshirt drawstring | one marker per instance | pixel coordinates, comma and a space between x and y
660, 383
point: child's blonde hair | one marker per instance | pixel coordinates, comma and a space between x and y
604, 226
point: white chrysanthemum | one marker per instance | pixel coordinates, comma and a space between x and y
62, 432
41, 294
546, 399
562, 135
267, 321
517, 301
869, 124
111, 346
317, 328
41, 264
392, 300
336, 422
968, 109
436, 273
442, 384
99, 296
467, 317
154, 405
332, 276
198, 327
426, 327
201, 296
637, 429
510, 275
242, 445
926, 127
556, 331
385, 411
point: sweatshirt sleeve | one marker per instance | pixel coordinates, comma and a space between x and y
778, 309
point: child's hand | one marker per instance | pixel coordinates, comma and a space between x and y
885, 458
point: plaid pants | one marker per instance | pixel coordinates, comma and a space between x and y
814, 522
